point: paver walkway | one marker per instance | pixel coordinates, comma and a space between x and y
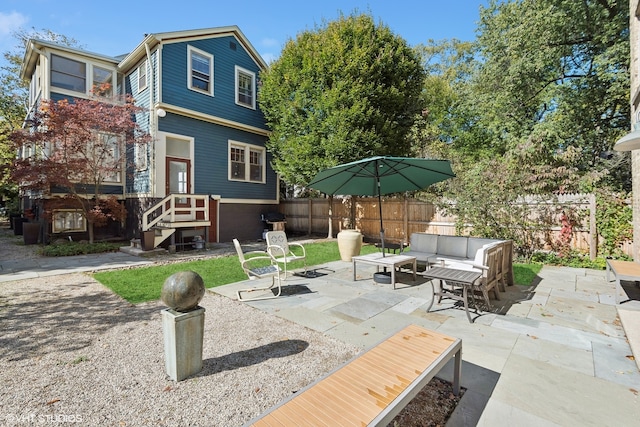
553, 353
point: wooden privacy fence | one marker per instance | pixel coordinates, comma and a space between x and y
403, 216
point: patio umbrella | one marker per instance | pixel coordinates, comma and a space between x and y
377, 176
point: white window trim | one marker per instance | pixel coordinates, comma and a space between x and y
118, 178
54, 229
247, 167
190, 50
253, 85
146, 74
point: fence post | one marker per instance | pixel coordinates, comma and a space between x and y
309, 217
405, 223
593, 229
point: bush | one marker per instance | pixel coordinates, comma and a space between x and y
77, 248
571, 259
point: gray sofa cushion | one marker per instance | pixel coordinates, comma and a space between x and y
452, 246
423, 242
476, 243
422, 257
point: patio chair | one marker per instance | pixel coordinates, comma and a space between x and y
253, 264
280, 249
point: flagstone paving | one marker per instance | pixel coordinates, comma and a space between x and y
551, 354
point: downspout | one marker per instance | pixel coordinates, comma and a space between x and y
153, 121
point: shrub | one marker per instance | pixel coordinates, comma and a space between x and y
77, 248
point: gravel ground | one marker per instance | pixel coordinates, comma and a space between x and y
72, 352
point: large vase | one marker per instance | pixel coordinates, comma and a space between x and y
31, 232
349, 244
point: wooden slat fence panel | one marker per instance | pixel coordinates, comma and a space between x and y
402, 217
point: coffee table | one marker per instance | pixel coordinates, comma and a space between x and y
454, 277
387, 261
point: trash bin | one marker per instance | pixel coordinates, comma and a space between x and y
148, 240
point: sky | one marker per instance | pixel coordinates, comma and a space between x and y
116, 27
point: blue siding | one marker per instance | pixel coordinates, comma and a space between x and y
175, 85
211, 156
138, 181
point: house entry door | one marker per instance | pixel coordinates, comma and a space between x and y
178, 180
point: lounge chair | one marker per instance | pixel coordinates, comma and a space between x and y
259, 265
280, 249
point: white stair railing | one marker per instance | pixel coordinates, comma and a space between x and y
183, 205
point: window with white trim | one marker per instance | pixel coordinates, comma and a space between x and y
67, 220
108, 149
200, 69
142, 76
246, 162
68, 74
245, 88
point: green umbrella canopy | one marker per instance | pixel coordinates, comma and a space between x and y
377, 176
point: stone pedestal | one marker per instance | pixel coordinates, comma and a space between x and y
183, 337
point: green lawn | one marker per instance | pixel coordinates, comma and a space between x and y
145, 284
523, 274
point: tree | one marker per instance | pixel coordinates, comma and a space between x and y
76, 148
347, 90
557, 69
14, 99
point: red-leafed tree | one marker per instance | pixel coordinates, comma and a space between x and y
75, 148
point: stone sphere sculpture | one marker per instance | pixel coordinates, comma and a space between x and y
182, 291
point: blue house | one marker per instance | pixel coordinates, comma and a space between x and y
206, 172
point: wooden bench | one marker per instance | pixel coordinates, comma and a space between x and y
372, 388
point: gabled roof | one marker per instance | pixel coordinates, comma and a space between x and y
124, 62
152, 40
34, 46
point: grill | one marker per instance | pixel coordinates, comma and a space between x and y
273, 221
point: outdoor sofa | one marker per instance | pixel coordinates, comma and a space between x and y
437, 249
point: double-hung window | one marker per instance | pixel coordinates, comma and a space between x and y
246, 162
108, 150
245, 88
142, 76
200, 70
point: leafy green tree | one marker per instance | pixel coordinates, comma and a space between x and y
347, 90
449, 122
558, 71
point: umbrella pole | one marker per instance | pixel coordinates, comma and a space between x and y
380, 209
381, 229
